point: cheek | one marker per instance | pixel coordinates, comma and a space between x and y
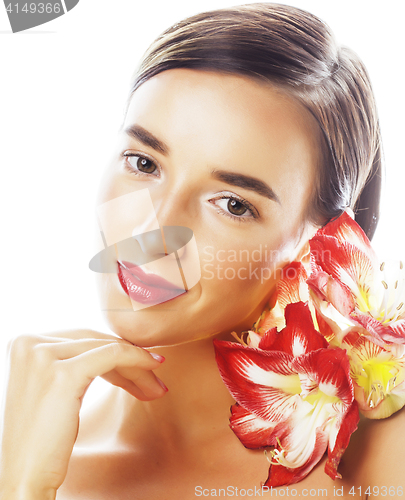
245, 274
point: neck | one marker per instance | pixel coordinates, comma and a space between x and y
197, 405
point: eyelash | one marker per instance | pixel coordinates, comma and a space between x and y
132, 169
245, 203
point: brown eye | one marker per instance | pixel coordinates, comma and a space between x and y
235, 207
142, 164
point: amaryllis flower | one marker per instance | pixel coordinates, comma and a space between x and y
378, 375
290, 288
347, 275
293, 394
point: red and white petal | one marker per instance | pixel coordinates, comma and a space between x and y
330, 369
378, 332
291, 286
333, 291
397, 330
260, 381
268, 339
347, 264
339, 439
331, 324
283, 476
252, 431
299, 335
344, 228
302, 439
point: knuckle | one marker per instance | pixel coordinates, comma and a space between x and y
41, 354
116, 349
20, 347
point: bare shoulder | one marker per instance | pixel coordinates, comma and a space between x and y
376, 454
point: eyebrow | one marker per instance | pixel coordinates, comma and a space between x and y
246, 182
232, 178
148, 139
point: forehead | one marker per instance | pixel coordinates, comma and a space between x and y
206, 117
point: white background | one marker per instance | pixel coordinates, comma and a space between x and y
63, 87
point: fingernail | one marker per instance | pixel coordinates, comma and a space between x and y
158, 357
162, 384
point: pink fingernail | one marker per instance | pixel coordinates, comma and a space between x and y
162, 385
158, 357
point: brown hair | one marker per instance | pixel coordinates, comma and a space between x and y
295, 51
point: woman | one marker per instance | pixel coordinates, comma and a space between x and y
250, 127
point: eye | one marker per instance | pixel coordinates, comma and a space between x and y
137, 163
237, 209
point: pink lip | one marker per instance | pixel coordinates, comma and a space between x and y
146, 288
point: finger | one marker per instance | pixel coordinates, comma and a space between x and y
65, 349
83, 333
147, 381
101, 360
118, 380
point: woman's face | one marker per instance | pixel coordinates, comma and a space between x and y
236, 162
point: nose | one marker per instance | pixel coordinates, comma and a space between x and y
174, 231
151, 243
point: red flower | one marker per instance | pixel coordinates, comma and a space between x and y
378, 375
294, 394
346, 274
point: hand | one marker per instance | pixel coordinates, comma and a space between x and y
48, 378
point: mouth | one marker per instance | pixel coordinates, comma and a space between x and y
145, 288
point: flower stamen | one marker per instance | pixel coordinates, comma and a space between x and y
391, 384
376, 394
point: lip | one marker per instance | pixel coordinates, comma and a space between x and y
146, 288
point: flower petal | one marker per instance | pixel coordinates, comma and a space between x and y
252, 431
283, 476
344, 229
298, 337
333, 291
303, 437
260, 381
379, 332
346, 264
291, 288
301, 440
378, 375
330, 369
338, 447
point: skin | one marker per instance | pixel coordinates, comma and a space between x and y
209, 121
142, 441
